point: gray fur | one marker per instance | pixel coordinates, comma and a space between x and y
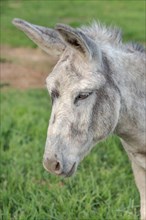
135, 47
98, 87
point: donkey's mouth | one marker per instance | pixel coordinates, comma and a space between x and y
70, 173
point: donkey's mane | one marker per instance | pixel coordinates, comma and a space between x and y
136, 47
101, 33
110, 35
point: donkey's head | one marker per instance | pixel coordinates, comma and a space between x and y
85, 101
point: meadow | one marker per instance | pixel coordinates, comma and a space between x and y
103, 187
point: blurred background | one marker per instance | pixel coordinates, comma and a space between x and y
103, 187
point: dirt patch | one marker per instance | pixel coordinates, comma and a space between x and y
24, 68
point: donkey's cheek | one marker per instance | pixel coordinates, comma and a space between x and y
104, 124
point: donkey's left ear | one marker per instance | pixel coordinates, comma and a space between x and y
79, 41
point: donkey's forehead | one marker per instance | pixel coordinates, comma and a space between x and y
72, 71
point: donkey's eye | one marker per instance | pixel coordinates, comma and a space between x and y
54, 95
82, 96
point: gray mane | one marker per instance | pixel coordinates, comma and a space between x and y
132, 46
101, 33
110, 35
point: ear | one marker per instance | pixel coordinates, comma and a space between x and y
79, 41
46, 38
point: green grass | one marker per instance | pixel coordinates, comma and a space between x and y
103, 187
127, 14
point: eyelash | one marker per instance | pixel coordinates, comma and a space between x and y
81, 97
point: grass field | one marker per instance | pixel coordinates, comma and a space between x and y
103, 187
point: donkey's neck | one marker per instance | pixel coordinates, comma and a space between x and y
128, 73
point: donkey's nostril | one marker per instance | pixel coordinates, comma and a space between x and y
52, 165
57, 168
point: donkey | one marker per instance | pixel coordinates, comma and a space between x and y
97, 87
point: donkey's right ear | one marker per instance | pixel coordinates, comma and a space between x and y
46, 38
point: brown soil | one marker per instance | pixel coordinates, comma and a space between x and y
24, 68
